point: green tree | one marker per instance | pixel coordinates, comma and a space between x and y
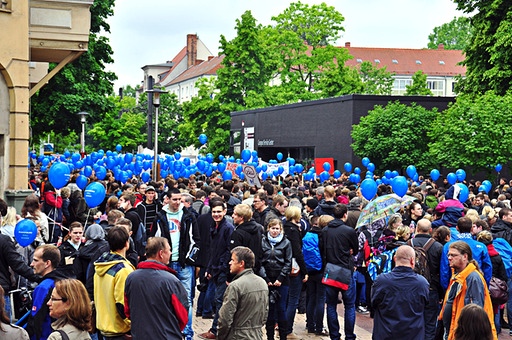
120, 126
80, 86
170, 117
454, 35
247, 64
339, 81
489, 51
376, 80
419, 85
474, 132
204, 114
305, 37
394, 135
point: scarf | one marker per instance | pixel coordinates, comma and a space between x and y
275, 240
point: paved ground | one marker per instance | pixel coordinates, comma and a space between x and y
364, 325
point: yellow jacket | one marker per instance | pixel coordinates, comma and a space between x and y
112, 269
460, 299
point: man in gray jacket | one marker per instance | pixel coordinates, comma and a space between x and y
244, 310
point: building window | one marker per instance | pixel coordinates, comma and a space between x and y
5, 5
436, 86
399, 86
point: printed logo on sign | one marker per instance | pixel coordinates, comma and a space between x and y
174, 226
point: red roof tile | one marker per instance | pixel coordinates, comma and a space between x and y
208, 67
402, 61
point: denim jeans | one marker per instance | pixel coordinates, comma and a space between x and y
220, 288
293, 300
277, 312
186, 276
7, 307
431, 313
315, 309
349, 299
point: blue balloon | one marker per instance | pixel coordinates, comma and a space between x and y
327, 166
119, 148
387, 174
203, 139
498, 167
368, 188
357, 178
291, 161
231, 158
336, 174
324, 176
227, 175
488, 185
299, 168
94, 194
483, 188
279, 156
87, 171
461, 175
357, 171
347, 166
280, 170
67, 154
210, 158
464, 192
186, 161
434, 174
221, 167
246, 155
59, 175
33, 155
25, 232
411, 171
365, 161
101, 173
264, 176
452, 178
81, 182
177, 155
45, 161
370, 167
399, 185
394, 173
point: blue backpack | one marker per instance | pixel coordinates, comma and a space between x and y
505, 251
382, 263
311, 252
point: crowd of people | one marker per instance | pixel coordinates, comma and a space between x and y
255, 257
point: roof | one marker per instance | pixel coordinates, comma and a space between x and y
175, 61
402, 61
208, 67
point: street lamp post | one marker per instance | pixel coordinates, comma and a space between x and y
83, 115
156, 103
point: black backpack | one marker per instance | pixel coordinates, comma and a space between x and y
421, 262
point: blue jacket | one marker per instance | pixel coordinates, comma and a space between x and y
399, 299
480, 254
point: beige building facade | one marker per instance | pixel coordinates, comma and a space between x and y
34, 33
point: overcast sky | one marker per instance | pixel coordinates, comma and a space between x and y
154, 31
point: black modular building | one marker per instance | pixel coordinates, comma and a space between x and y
312, 129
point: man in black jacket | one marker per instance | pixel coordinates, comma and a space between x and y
339, 244
179, 226
247, 233
503, 227
436, 292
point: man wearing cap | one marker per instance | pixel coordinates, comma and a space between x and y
354, 210
148, 208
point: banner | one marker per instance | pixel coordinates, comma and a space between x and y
251, 176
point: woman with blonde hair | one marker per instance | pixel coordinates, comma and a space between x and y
9, 222
70, 305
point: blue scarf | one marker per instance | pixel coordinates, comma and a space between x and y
274, 240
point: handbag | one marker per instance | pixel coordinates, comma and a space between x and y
337, 276
295, 268
192, 255
498, 290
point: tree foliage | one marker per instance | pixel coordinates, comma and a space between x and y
394, 135
376, 80
120, 126
305, 37
80, 86
474, 132
489, 51
204, 114
419, 85
454, 35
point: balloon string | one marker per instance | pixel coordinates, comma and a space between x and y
87, 219
57, 223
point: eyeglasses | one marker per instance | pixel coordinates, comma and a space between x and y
52, 299
454, 255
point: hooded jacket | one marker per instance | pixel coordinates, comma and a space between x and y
338, 240
451, 208
39, 325
112, 270
156, 302
325, 208
249, 234
95, 236
502, 229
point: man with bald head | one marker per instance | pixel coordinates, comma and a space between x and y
399, 299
